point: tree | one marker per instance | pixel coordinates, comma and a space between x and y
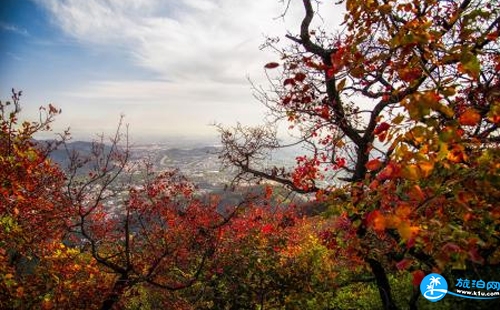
92, 236
402, 105
153, 231
36, 268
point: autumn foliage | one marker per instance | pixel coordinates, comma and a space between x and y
37, 269
398, 113
99, 240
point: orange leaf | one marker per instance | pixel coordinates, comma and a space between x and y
457, 154
403, 211
416, 193
470, 117
376, 220
407, 232
373, 164
269, 192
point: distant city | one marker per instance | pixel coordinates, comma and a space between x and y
199, 162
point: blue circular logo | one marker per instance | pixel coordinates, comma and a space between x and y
434, 287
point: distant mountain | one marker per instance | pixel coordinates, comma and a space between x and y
84, 148
61, 154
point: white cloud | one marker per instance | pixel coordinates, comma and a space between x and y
205, 49
188, 39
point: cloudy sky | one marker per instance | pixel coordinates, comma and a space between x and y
171, 67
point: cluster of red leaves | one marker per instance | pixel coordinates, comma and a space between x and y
306, 172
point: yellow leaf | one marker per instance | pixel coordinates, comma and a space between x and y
407, 232
419, 134
411, 172
398, 119
470, 64
494, 113
446, 110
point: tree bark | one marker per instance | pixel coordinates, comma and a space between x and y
115, 294
383, 285
414, 299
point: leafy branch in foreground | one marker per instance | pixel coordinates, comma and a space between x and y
399, 115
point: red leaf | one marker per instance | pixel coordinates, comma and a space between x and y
418, 276
404, 264
271, 65
475, 257
330, 72
381, 128
390, 171
268, 228
300, 76
289, 82
451, 247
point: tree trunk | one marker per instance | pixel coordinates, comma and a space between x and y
414, 298
114, 296
384, 288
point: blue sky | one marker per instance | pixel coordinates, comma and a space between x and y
171, 67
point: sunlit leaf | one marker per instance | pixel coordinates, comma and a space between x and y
411, 172
374, 164
470, 64
376, 220
398, 119
425, 168
341, 85
470, 117
407, 232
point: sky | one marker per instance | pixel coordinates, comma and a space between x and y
172, 68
